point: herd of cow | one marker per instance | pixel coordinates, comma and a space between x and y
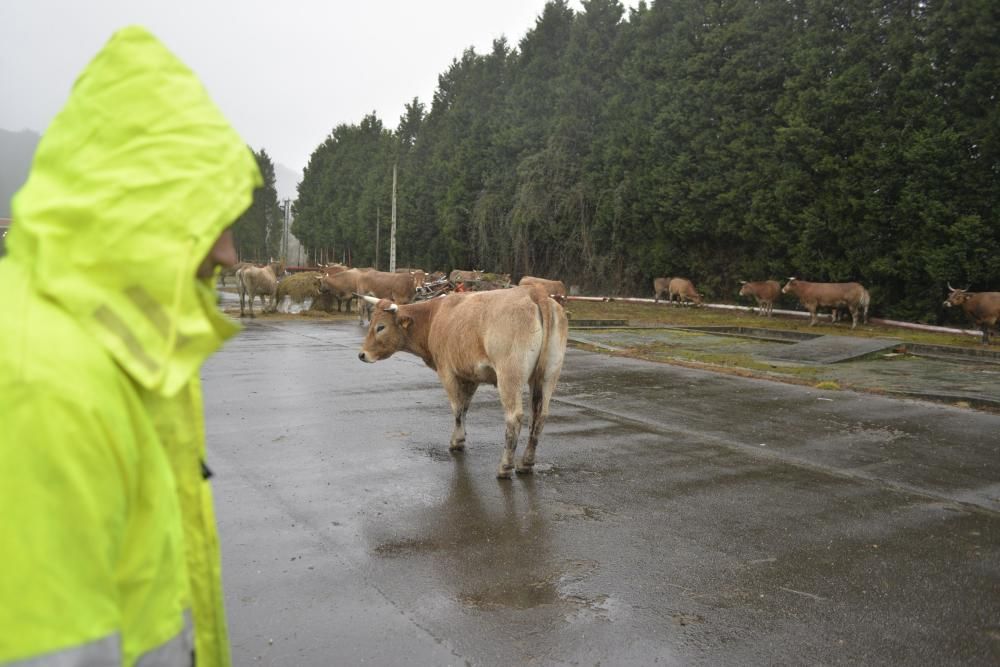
517, 336
343, 284
982, 308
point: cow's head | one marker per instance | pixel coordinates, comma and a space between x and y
386, 331
745, 288
957, 296
789, 286
321, 283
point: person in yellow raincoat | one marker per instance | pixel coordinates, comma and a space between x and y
108, 548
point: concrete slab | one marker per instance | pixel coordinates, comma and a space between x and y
831, 349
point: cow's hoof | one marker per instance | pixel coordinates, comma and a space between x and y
458, 449
525, 469
505, 472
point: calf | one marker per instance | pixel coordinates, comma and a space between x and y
982, 308
852, 296
507, 338
766, 292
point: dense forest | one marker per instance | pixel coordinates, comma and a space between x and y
721, 140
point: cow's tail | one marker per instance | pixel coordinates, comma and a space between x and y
553, 319
866, 300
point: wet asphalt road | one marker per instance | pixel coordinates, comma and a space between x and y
676, 517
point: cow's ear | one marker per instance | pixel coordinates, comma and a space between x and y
405, 321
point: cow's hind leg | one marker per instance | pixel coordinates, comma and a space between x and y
510, 396
460, 395
541, 392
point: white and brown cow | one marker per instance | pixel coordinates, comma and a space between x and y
507, 338
260, 281
982, 308
852, 296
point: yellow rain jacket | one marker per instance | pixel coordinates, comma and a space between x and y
108, 547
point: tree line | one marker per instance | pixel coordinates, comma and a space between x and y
727, 140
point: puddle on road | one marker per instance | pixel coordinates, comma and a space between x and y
552, 590
407, 547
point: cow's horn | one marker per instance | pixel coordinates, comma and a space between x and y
950, 287
391, 309
370, 299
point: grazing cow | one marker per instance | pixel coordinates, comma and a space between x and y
263, 281
341, 286
982, 308
682, 288
852, 296
555, 288
766, 292
397, 287
502, 337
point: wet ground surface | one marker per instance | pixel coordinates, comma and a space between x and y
969, 380
677, 517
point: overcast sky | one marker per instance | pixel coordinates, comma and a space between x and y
284, 72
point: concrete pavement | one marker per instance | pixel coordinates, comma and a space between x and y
676, 517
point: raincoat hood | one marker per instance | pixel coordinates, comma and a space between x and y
130, 187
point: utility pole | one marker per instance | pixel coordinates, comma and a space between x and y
287, 223
392, 235
377, 229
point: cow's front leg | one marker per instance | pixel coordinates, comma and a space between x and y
460, 394
510, 397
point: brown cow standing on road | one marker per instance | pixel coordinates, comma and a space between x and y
502, 337
682, 288
982, 308
555, 288
766, 292
852, 296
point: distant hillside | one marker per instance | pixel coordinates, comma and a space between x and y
16, 151
286, 181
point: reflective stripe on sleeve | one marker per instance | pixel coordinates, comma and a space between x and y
104, 652
178, 651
